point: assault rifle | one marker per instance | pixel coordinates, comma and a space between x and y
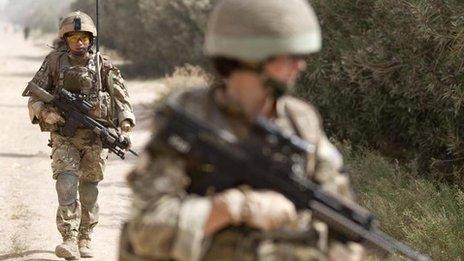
268, 159
76, 113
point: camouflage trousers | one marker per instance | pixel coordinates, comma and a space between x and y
78, 164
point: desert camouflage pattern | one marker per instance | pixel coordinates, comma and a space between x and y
168, 222
81, 156
61, 69
68, 24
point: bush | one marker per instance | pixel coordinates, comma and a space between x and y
162, 34
391, 76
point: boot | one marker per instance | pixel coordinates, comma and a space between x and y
84, 248
68, 249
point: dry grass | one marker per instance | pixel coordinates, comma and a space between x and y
18, 241
426, 214
19, 244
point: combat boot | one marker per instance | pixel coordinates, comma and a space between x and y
68, 249
84, 248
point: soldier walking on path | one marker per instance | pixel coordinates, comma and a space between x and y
78, 162
258, 49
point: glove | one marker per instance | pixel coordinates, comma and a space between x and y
50, 116
264, 210
126, 128
268, 210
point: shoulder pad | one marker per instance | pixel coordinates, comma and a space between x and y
304, 117
298, 108
106, 62
54, 57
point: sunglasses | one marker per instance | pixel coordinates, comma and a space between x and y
75, 38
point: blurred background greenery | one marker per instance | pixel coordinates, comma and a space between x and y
389, 84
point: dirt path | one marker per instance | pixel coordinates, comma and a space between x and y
27, 195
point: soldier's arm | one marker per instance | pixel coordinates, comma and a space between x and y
328, 169
168, 223
116, 87
328, 174
43, 78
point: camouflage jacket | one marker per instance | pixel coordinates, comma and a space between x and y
48, 77
167, 222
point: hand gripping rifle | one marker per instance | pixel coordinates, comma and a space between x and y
268, 159
76, 113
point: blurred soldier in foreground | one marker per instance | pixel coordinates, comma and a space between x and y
258, 49
78, 162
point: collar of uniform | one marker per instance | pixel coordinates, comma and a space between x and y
79, 60
233, 109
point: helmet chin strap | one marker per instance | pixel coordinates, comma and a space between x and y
278, 88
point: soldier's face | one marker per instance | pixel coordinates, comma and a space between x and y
285, 68
78, 42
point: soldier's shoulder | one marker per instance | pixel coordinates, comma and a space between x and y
190, 96
106, 62
53, 58
298, 108
196, 101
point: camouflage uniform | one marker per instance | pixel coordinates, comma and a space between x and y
78, 162
168, 220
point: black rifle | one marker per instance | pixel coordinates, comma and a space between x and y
76, 113
268, 159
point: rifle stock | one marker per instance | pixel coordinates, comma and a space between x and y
269, 163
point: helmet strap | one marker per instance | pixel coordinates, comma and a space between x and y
278, 88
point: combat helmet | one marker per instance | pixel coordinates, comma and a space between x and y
77, 21
259, 29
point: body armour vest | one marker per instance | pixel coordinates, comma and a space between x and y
83, 80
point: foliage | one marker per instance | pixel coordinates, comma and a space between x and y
156, 35
391, 76
426, 214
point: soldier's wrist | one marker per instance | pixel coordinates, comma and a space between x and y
219, 217
126, 126
37, 108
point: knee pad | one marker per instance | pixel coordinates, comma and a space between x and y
66, 188
88, 193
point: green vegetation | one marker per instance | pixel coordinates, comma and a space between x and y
391, 76
161, 34
426, 214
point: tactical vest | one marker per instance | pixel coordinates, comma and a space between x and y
83, 80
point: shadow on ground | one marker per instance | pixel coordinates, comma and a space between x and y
19, 75
16, 106
21, 155
32, 58
25, 254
